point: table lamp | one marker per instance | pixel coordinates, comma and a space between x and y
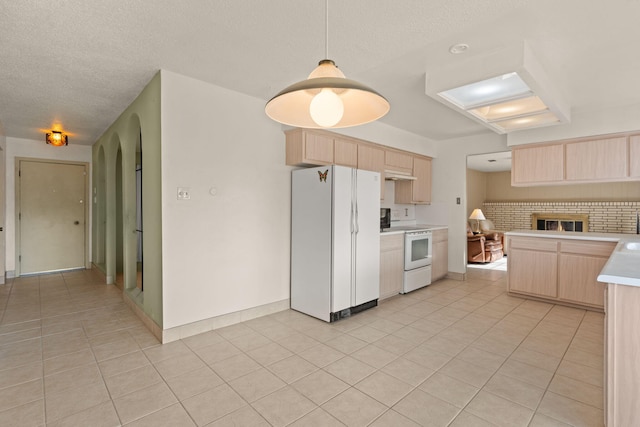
477, 215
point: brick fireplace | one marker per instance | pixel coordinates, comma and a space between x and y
602, 217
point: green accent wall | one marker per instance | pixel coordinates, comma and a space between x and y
114, 215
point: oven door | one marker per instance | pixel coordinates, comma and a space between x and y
417, 250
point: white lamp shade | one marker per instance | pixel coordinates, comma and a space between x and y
477, 215
293, 105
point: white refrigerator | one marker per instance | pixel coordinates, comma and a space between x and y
335, 241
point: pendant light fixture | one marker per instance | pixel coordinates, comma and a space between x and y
327, 99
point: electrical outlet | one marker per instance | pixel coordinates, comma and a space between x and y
184, 193
457, 200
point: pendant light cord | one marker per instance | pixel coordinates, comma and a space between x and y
326, 30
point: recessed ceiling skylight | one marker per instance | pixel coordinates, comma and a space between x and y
504, 110
528, 121
510, 91
490, 91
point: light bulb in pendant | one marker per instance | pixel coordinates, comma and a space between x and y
326, 108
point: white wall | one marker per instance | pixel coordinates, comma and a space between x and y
230, 250
449, 182
381, 133
226, 251
27, 148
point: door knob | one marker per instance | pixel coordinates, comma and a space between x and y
76, 222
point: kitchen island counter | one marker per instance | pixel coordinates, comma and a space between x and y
622, 267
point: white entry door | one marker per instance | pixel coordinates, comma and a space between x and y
51, 216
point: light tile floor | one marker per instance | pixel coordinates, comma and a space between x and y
452, 354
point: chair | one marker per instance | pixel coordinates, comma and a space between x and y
483, 248
487, 228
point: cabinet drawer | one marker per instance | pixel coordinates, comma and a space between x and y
549, 245
603, 249
440, 235
391, 242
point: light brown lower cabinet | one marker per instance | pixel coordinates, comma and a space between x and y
440, 260
579, 266
560, 270
391, 264
622, 352
532, 267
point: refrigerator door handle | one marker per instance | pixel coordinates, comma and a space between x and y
352, 219
357, 225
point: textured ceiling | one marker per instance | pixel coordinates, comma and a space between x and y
80, 64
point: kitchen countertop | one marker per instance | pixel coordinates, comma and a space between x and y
603, 237
623, 266
403, 229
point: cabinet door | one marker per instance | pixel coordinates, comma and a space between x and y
372, 159
307, 149
418, 191
577, 279
318, 149
422, 186
533, 267
440, 261
600, 159
396, 161
346, 153
533, 165
634, 156
580, 264
391, 264
622, 350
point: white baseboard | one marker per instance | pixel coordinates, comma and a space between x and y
190, 329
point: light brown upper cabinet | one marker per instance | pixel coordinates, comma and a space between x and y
418, 191
598, 159
372, 159
317, 147
607, 158
345, 152
536, 165
308, 149
634, 156
305, 148
398, 161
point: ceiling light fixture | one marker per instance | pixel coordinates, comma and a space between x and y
57, 138
327, 99
510, 90
458, 48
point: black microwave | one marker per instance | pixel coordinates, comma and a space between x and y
385, 218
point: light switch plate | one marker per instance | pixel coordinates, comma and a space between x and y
184, 193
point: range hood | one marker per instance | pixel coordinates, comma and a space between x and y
398, 176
